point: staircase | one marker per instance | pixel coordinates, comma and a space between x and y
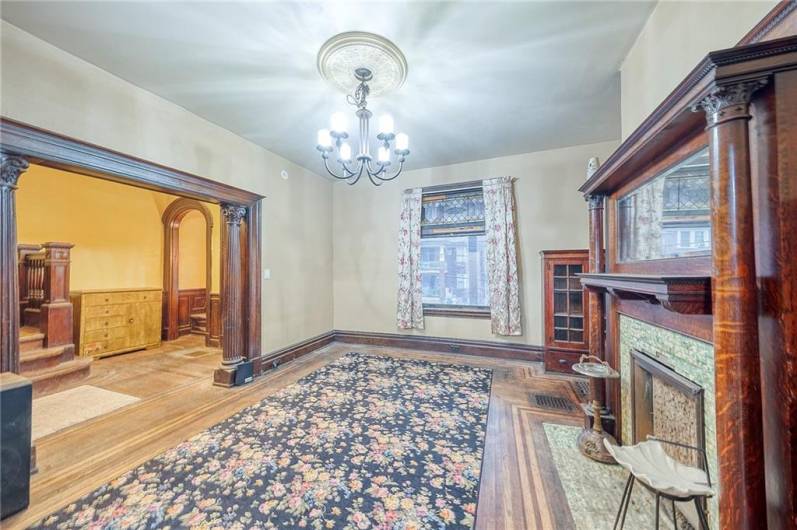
46, 346
49, 369
199, 324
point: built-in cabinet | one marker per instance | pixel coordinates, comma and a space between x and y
116, 320
564, 308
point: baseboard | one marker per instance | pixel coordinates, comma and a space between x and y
288, 353
484, 348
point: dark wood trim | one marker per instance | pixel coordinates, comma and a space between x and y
172, 218
54, 150
214, 321
459, 312
687, 294
771, 22
275, 358
673, 118
253, 282
501, 350
495, 349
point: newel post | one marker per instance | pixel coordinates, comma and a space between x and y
11, 167
56, 309
232, 282
736, 356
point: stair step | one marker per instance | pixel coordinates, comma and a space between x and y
30, 339
50, 380
42, 358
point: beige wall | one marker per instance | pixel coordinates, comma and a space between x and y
551, 215
49, 88
675, 38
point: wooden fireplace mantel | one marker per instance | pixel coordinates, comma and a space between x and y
685, 294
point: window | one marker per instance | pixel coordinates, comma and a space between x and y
453, 256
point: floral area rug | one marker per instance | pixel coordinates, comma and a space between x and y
367, 442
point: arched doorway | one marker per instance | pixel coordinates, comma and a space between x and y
172, 218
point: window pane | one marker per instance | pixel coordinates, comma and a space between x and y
669, 216
453, 271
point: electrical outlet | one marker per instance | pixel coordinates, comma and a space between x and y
266, 274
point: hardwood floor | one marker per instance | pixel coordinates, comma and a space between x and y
519, 487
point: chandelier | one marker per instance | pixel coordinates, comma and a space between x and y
336, 59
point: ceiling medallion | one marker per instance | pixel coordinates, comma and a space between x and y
344, 53
362, 64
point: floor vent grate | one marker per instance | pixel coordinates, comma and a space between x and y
582, 389
552, 402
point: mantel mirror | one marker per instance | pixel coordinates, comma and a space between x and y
668, 216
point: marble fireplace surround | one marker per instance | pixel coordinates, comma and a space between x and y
689, 357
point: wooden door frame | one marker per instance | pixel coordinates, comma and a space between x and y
172, 219
21, 144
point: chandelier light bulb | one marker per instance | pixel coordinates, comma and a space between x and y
384, 155
324, 139
402, 142
338, 122
345, 152
386, 125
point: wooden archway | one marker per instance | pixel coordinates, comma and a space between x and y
172, 218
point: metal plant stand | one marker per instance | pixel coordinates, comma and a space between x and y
590, 441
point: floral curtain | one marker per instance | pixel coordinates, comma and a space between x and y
409, 313
502, 269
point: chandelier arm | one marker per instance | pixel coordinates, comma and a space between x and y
398, 172
326, 166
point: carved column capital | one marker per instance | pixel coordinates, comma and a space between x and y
233, 213
728, 102
11, 167
595, 201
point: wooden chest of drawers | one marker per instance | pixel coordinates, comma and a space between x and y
116, 320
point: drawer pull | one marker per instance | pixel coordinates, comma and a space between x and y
562, 361
130, 321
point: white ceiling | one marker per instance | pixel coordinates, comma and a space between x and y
485, 79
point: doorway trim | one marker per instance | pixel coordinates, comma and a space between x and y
21, 144
172, 219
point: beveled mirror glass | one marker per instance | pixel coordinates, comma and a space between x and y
669, 216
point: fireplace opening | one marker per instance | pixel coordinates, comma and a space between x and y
669, 406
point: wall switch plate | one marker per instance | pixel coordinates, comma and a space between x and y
266, 274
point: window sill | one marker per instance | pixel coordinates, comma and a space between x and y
459, 312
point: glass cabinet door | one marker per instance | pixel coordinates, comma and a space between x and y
568, 303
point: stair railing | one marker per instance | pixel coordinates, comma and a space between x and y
44, 290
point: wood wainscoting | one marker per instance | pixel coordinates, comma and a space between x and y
190, 302
484, 348
214, 321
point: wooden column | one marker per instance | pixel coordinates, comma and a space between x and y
736, 358
11, 167
253, 262
232, 283
597, 263
775, 179
56, 310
